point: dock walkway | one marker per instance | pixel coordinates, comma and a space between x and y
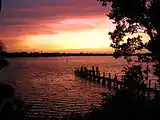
112, 82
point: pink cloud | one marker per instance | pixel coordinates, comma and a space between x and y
21, 18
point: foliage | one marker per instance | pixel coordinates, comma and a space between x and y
134, 17
122, 106
11, 106
2, 46
3, 61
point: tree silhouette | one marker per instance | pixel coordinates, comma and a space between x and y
136, 16
3, 61
133, 16
2, 47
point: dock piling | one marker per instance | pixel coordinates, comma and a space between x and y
93, 74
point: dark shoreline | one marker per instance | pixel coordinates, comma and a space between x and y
38, 54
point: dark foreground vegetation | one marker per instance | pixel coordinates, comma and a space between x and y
122, 106
11, 106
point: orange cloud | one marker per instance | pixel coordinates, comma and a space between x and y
21, 21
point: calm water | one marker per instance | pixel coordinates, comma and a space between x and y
52, 87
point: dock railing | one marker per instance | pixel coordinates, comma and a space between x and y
112, 81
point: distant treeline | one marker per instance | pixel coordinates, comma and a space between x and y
40, 54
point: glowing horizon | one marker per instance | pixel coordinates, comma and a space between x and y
55, 26
84, 39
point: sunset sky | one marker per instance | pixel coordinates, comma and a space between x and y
55, 26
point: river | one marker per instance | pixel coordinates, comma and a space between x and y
51, 86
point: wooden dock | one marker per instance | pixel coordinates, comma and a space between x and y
112, 82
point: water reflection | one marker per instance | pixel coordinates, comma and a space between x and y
50, 83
